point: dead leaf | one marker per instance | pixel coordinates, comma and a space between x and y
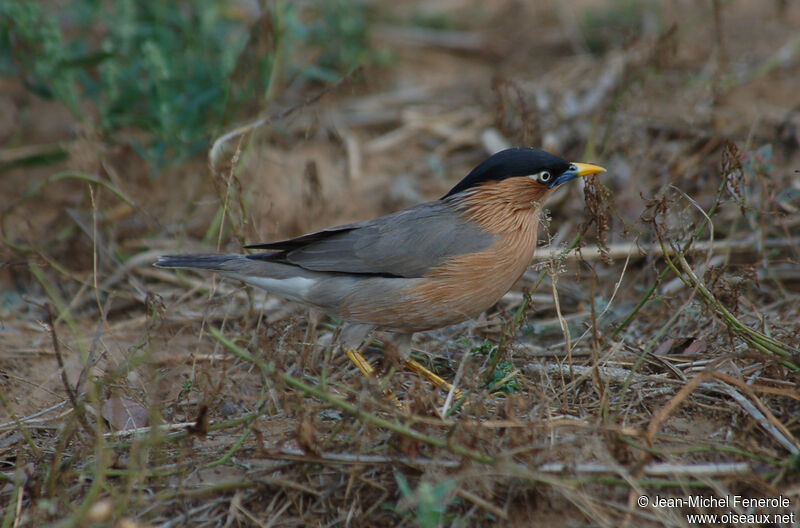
124, 414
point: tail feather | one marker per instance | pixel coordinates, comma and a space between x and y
287, 280
209, 262
242, 267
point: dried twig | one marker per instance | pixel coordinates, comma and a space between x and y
73, 397
354, 410
635, 250
215, 153
760, 412
676, 400
786, 355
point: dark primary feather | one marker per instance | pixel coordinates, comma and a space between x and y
404, 244
510, 163
303, 240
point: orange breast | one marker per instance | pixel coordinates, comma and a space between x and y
467, 285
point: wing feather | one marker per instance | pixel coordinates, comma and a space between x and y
403, 244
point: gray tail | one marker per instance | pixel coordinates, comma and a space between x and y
209, 262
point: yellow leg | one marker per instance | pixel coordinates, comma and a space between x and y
411, 364
367, 370
423, 372
361, 362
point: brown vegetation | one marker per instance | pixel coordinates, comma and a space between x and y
652, 350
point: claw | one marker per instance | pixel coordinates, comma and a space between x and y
366, 369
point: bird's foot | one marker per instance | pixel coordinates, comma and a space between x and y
414, 366
420, 370
369, 372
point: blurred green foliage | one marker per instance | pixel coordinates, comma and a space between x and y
501, 378
430, 501
609, 25
171, 74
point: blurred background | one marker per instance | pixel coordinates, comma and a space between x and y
325, 112
135, 92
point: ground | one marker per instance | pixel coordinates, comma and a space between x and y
651, 351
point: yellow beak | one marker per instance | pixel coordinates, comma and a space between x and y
587, 169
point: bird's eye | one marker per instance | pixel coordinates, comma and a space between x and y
545, 176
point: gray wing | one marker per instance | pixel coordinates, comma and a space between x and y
403, 244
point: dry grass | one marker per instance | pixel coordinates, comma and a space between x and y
652, 350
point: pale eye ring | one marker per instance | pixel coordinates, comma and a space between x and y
545, 176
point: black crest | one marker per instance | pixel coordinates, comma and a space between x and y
509, 163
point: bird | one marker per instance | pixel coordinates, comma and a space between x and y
429, 266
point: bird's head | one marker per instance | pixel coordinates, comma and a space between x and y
506, 192
531, 174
